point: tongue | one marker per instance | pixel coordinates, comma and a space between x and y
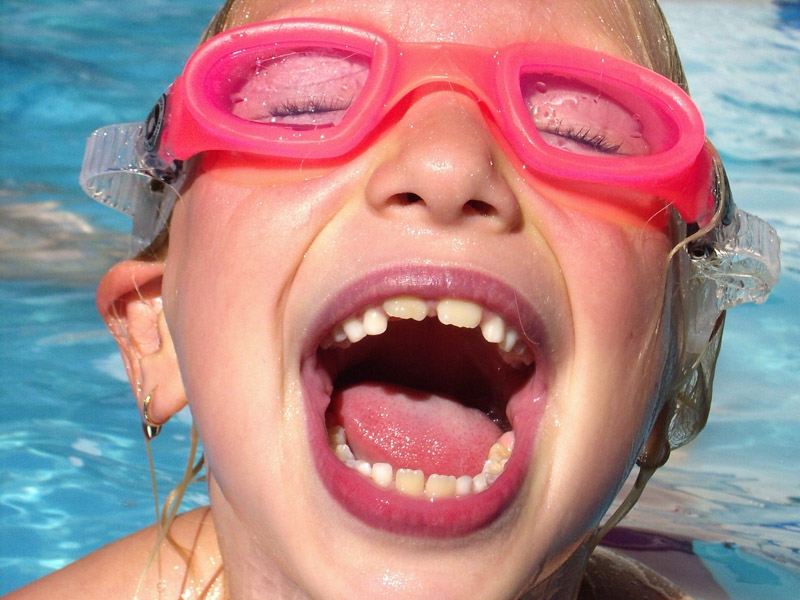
411, 429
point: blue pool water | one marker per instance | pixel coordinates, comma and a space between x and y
73, 472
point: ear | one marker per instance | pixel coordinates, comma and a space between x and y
129, 302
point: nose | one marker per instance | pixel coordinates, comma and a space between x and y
439, 165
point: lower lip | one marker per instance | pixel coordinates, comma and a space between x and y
391, 511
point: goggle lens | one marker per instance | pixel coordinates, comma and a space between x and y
294, 88
575, 116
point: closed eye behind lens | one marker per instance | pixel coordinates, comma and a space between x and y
577, 117
299, 87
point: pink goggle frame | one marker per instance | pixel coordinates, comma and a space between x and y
300, 89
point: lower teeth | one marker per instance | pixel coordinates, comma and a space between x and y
412, 482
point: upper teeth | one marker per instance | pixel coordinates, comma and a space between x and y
450, 311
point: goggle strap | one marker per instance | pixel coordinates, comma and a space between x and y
732, 264
110, 150
742, 260
117, 172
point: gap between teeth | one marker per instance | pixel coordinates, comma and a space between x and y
412, 482
449, 311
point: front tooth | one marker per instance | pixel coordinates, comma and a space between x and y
382, 474
440, 486
410, 482
375, 321
406, 307
354, 329
460, 313
493, 329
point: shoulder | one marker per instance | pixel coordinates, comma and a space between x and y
612, 576
116, 570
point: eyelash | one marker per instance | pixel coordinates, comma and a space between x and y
585, 136
294, 108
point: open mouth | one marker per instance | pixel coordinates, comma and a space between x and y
429, 395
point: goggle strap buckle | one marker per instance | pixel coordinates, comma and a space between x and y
118, 172
742, 261
734, 263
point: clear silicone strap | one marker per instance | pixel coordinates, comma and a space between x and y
740, 263
743, 262
118, 172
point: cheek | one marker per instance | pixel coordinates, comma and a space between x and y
616, 280
225, 232
615, 276
233, 251
617, 294
614, 270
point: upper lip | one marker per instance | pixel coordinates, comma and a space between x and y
387, 510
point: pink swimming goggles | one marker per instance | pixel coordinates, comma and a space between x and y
316, 89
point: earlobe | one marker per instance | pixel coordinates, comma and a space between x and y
129, 302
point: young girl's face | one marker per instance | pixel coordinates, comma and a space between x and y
268, 261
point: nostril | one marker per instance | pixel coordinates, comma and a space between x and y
406, 199
478, 207
471, 207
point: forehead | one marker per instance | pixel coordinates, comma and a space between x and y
478, 22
